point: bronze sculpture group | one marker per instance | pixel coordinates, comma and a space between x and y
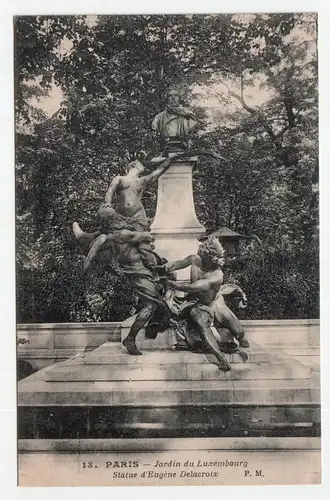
123, 235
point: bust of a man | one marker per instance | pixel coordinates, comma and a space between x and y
175, 121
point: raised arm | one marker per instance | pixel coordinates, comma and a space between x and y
161, 169
155, 174
114, 184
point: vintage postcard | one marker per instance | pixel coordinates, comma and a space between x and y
167, 249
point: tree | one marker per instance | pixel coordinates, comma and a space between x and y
114, 75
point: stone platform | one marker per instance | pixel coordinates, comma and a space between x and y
107, 363
108, 393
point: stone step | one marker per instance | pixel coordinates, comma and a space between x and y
100, 422
302, 351
288, 369
34, 392
112, 354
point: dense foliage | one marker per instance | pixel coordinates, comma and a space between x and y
113, 73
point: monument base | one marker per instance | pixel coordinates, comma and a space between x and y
110, 394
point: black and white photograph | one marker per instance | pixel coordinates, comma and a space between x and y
167, 249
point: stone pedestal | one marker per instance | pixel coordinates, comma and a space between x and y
110, 394
175, 226
165, 393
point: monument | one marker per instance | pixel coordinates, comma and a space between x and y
187, 391
124, 234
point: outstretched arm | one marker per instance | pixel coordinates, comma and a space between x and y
201, 285
181, 264
112, 189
